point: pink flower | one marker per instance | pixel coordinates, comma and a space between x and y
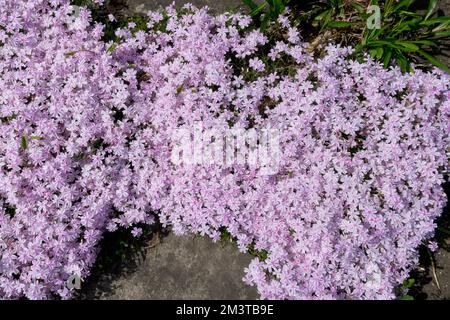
256, 64
433, 246
136, 232
87, 144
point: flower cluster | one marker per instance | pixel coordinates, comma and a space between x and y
86, 132
60, 151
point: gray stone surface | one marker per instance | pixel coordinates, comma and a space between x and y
438, 287
187, 267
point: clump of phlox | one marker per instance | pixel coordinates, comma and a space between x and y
87, 133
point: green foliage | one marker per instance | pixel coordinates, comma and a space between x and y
100, 15
262, 255
406, 35
112, 47
121, 22
121, 245
226, 237
404, 288
82, 3
267, 11
10, 210
24, 142
331, 14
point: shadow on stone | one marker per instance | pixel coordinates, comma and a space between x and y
120, 255
433, 275
179, 267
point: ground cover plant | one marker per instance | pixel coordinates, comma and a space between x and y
406, 31
87, 120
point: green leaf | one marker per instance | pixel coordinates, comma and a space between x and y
406, 26
251, 4
408, 283
359, 47
36, 138
431, 6
258, 10
24, 142
409, 46
339, 24
387, 57
112, 48
407, 297
444, 19
377, 43
434, 61
402, 62
323, 15
380, 52
358, 7
426, 42
376, 53
411, 14
403, 4
387, 6
441, 28
277, 7
443, 34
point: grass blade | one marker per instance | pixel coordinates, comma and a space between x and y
434, 60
